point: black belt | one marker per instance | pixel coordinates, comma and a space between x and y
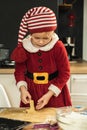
50, 76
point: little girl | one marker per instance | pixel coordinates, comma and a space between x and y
42, 67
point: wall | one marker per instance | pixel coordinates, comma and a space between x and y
11, 12
85, 31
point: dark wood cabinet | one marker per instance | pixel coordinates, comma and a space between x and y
76, 31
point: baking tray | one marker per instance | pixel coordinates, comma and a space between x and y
11, 124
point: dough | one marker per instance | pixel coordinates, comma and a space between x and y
32, 116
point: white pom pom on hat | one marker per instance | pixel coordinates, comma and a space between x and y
37, 19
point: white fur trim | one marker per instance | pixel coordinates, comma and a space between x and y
30, 48
55, 89
21, 83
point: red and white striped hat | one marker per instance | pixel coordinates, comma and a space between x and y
37, 19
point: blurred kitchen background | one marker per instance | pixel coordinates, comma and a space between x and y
71, 25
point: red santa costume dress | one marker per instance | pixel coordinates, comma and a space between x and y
45, 68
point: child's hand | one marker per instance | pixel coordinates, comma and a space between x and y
44, 100
25, 95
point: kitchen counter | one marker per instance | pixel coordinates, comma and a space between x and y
76, 67
7, 70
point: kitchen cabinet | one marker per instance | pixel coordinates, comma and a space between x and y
70, 23
85, 31
8, 82
68, 84
65, 7
77, 86
77, 83
78, 89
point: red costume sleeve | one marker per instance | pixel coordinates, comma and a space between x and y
63, 65
19, 54
20, 70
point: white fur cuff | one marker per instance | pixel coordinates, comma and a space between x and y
55, 89
21, 83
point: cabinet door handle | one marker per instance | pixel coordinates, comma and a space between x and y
79, 78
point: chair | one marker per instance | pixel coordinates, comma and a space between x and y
4, 101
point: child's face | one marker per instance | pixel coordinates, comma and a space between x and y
41, 39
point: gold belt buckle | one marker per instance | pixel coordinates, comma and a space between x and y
44, 81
